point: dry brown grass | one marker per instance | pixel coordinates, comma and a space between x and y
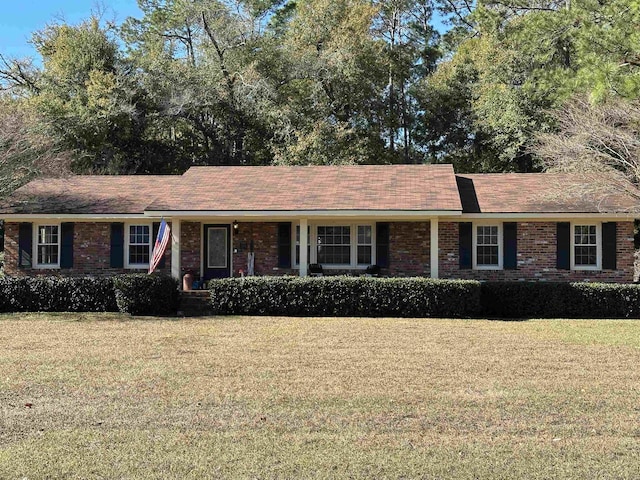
318, 398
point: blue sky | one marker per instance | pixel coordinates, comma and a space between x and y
19, 18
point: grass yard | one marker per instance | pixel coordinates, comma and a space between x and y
105, 396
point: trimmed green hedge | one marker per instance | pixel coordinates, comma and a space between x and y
57, 294
135, 294
140, 294
560, 300
345, 296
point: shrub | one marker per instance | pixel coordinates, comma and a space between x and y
560, 300
345, 296
141, 294
57, 294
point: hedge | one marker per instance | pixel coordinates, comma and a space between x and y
345, 296
135, 294
560, 300
140, 294
57, 294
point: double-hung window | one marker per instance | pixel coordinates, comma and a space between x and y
48, 246
487, 247
365, 244
334, 245
138, 246
338, 246
586, 247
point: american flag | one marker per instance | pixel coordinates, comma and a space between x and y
164, 233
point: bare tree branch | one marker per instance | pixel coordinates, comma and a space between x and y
599, 143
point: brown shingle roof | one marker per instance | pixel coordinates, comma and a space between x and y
89, 194
535, 193
350, 187
333, 188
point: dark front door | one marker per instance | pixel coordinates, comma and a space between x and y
217, 249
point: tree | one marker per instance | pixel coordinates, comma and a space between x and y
598, 142
328, 99
25, 150
88, 101
513, 61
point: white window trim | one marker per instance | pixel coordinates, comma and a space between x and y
313, 240
34, 253
372, 245
598, 265
474, 234
137, 266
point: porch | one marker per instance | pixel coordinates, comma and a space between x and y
225, 247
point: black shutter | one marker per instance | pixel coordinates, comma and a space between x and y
609, 230
66, 247
465, 245
563, 251
510, 245
156, 229
25, 245
117, 245
382, 245
284, 245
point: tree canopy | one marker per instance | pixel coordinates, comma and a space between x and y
258, 82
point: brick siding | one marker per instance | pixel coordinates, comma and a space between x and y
409, 252
409, 249
536, 256
264, 236
91, 253
190, 248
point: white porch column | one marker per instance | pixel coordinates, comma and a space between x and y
303, 247
434, 248
175, 249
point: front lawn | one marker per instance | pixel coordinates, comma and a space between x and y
106, 396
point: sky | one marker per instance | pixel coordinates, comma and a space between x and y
20, 18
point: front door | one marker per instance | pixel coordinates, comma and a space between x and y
217, 248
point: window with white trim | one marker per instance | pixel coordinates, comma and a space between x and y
365, 244
334, 245
586, 247
487, 246
337, 245
138, 245
48, 246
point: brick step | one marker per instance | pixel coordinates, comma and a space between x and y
195, 303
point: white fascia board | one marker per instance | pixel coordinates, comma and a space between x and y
17, 217
270, 214
549, 216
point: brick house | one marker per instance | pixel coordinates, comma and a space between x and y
410, 220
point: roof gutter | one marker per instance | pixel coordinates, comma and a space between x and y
302, 213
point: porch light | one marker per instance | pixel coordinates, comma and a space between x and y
235, 226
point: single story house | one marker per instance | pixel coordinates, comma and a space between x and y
410, 220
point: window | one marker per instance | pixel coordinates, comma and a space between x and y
334, 245
364, 244
487, 247
138, 245
586, 247
337, 246
298, 244
48, 246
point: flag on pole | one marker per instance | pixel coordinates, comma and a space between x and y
162, 240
